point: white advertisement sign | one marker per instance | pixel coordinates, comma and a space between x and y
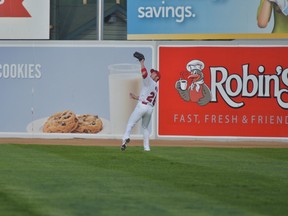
24, 19
69, 83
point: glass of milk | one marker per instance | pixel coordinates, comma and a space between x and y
123, 79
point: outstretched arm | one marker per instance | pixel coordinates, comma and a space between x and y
143, 69
264, 13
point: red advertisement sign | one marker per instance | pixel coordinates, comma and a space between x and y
13, 8
223, 91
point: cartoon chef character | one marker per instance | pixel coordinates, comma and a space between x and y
191, 86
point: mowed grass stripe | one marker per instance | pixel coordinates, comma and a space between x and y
75, 180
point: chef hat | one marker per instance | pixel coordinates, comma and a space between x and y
195, 64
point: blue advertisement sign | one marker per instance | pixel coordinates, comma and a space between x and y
211, 19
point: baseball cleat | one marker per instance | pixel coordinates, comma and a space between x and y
139, 56
123, 147
124, 144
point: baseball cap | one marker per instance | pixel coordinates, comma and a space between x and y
155, 71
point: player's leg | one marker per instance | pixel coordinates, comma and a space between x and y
145, 124
133, 119
146, 135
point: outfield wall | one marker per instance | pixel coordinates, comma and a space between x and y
246, 80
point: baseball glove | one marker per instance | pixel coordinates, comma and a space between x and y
139, 56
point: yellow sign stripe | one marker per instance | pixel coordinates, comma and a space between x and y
205, 36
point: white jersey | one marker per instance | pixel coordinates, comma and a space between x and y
149, 91
144, 108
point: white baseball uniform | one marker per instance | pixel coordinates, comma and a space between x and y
144, 108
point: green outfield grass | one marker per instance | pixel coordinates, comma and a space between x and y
38, 180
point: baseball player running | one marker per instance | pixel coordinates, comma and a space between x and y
145, 105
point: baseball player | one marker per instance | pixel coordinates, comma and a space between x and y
145, 105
